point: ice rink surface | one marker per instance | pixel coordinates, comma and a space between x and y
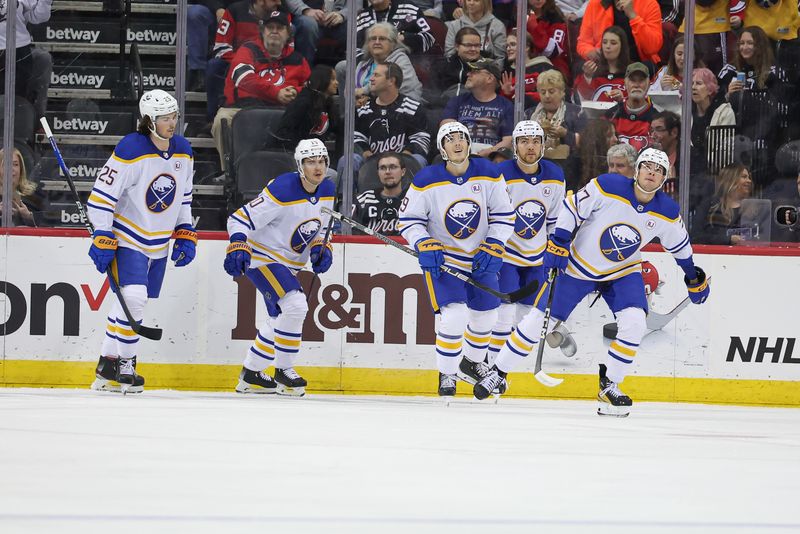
83, 462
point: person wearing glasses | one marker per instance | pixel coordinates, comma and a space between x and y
378, 208
450, 72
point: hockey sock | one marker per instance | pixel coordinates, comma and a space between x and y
506, 319
450, 336
521, 342
261, 353
135, 298
479, 330
289, 328
631, 326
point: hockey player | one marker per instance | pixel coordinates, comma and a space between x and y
458, 213
271, 239
537, 189
141, 198
596, 243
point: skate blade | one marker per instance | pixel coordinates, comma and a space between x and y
101, 384
608, 410
125, 389
290, 392
447, 399
244, 387
465, 378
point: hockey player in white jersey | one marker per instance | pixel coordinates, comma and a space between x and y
271, 240
596, 244
141, 198
458, 213
537, 189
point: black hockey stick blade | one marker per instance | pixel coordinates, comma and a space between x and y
149, 332
523, 292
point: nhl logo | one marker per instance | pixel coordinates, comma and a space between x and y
476, 188
313, 200
459, 180
640, 208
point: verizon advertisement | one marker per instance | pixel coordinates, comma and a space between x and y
371, 311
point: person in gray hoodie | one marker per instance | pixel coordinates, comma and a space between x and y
478, 14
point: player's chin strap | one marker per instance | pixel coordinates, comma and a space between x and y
154, 132
645, 191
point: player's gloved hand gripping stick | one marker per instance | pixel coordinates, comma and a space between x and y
514, 296
148, 332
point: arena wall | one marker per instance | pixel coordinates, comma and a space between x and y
370, 329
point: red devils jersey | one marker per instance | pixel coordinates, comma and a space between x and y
238, 26
550, 40
632, 128
597, 90
255, 78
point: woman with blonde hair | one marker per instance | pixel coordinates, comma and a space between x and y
23, 199
718, 221
561, 120
478, 14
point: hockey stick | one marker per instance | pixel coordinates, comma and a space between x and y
540, 375
324, 243
654, 321
148, 332
512, 297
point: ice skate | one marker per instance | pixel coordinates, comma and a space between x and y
473, 372
290, 383
491, 383
447, 387
561, 338
106, 377
129, 381
255, 382
613, 402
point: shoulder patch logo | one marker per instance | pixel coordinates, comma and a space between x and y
161, 193
530, 219
462, 218
619, 242
305, 232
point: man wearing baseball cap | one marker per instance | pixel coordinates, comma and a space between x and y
632, 116
488, 116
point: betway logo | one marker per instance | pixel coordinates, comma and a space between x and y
82, 171
155, 80
150, 36
79, 125
74, 78
71, 34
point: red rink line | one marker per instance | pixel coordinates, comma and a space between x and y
774, 249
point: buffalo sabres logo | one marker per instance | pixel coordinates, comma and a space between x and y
462, 218
161, 193
304, 233
530, 218
619, 242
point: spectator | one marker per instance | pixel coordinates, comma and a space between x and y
665, 134
413, 30
25, 197
604, 80
533, 68
718, 220
708, 109
478, 14
313, 114
572, 9
379, 208
267, 72
779, 19
633, 115
560, 120
621, 159
390, 121
430, 8
596, 138
639, 19
670, 76
316, 19
382, 46
500, 155
713, 37
450, 73
488, 116
548, 29
202, 19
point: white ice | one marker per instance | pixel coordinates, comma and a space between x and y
82, 462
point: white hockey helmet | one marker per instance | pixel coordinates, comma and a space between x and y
156, 103
527, 129
309, 148
449, 129
652, 155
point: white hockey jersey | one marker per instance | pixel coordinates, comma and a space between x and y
458, 211
142, 193
537, 201
613, 227
283, 220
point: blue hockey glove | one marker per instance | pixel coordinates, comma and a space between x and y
557, 252
489, 258
321, 256
431, 257
237, 256
698, 287
183, 250
103, 249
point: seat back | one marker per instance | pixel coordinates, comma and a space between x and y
368, 173
259, 168
251, 130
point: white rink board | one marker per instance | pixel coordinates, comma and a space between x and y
751, 297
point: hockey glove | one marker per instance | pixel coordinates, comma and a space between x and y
557, 252
431, 257
103, 249
237, 256
321, 256
698, 287
183, 250
489, 258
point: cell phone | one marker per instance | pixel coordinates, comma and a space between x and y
740, 76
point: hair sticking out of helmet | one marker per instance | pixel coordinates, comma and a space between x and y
310, 148
652, 156
446, 131
155, 104
527, 129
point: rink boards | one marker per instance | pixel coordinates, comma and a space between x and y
370, 328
